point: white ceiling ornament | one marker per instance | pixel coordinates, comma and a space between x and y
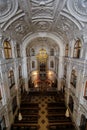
7, 9
42, 25
78, 8
19, 28
42, 2
42, 8
40, 13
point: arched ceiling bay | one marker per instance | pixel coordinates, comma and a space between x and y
43, 41
62, 17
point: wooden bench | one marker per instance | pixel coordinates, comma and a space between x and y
57, 114
27, 119
29, 112
26, 126
30, 105
52, 111
57, 104
60, 118
61, 126
58, 108
30, 115
29, 108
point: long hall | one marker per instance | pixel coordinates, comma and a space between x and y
43, 64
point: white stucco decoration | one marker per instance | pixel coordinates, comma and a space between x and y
78, 8
7, 9
57, 40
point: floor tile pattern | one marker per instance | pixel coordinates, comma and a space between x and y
42, 100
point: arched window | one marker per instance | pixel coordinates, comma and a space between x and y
52, 64
51, 52
85, 92
32, 52
66, 50
73, 78
11, 78
7, 50
33, 64
77, 49
20, 72
18, 50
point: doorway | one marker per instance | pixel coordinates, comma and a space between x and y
2, 123
83, 122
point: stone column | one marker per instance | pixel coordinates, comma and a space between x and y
68, 76
84, 55
25, 74
1, 47
60, 72
17, 82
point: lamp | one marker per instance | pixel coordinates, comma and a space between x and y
67, 113
19, 116
42, 56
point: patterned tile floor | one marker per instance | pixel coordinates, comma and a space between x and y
42, 100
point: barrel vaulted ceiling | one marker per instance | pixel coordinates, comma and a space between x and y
64, 18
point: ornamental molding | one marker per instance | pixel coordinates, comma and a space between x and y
42, 2
42, 25
73, 19
78, 8
18, 15
7, 9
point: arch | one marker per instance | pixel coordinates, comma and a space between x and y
57, 40
71, 103
85, 90
79, 24
66, 50
73, 77
33, 64
11, 78
65, 71
51, 64
83, 122
52, 52
32, 52
18, 50
7, 49
27, 40
2, 123
77, 49
20, 71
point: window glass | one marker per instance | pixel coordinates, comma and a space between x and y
7, 50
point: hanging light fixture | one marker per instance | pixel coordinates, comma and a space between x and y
42, 56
